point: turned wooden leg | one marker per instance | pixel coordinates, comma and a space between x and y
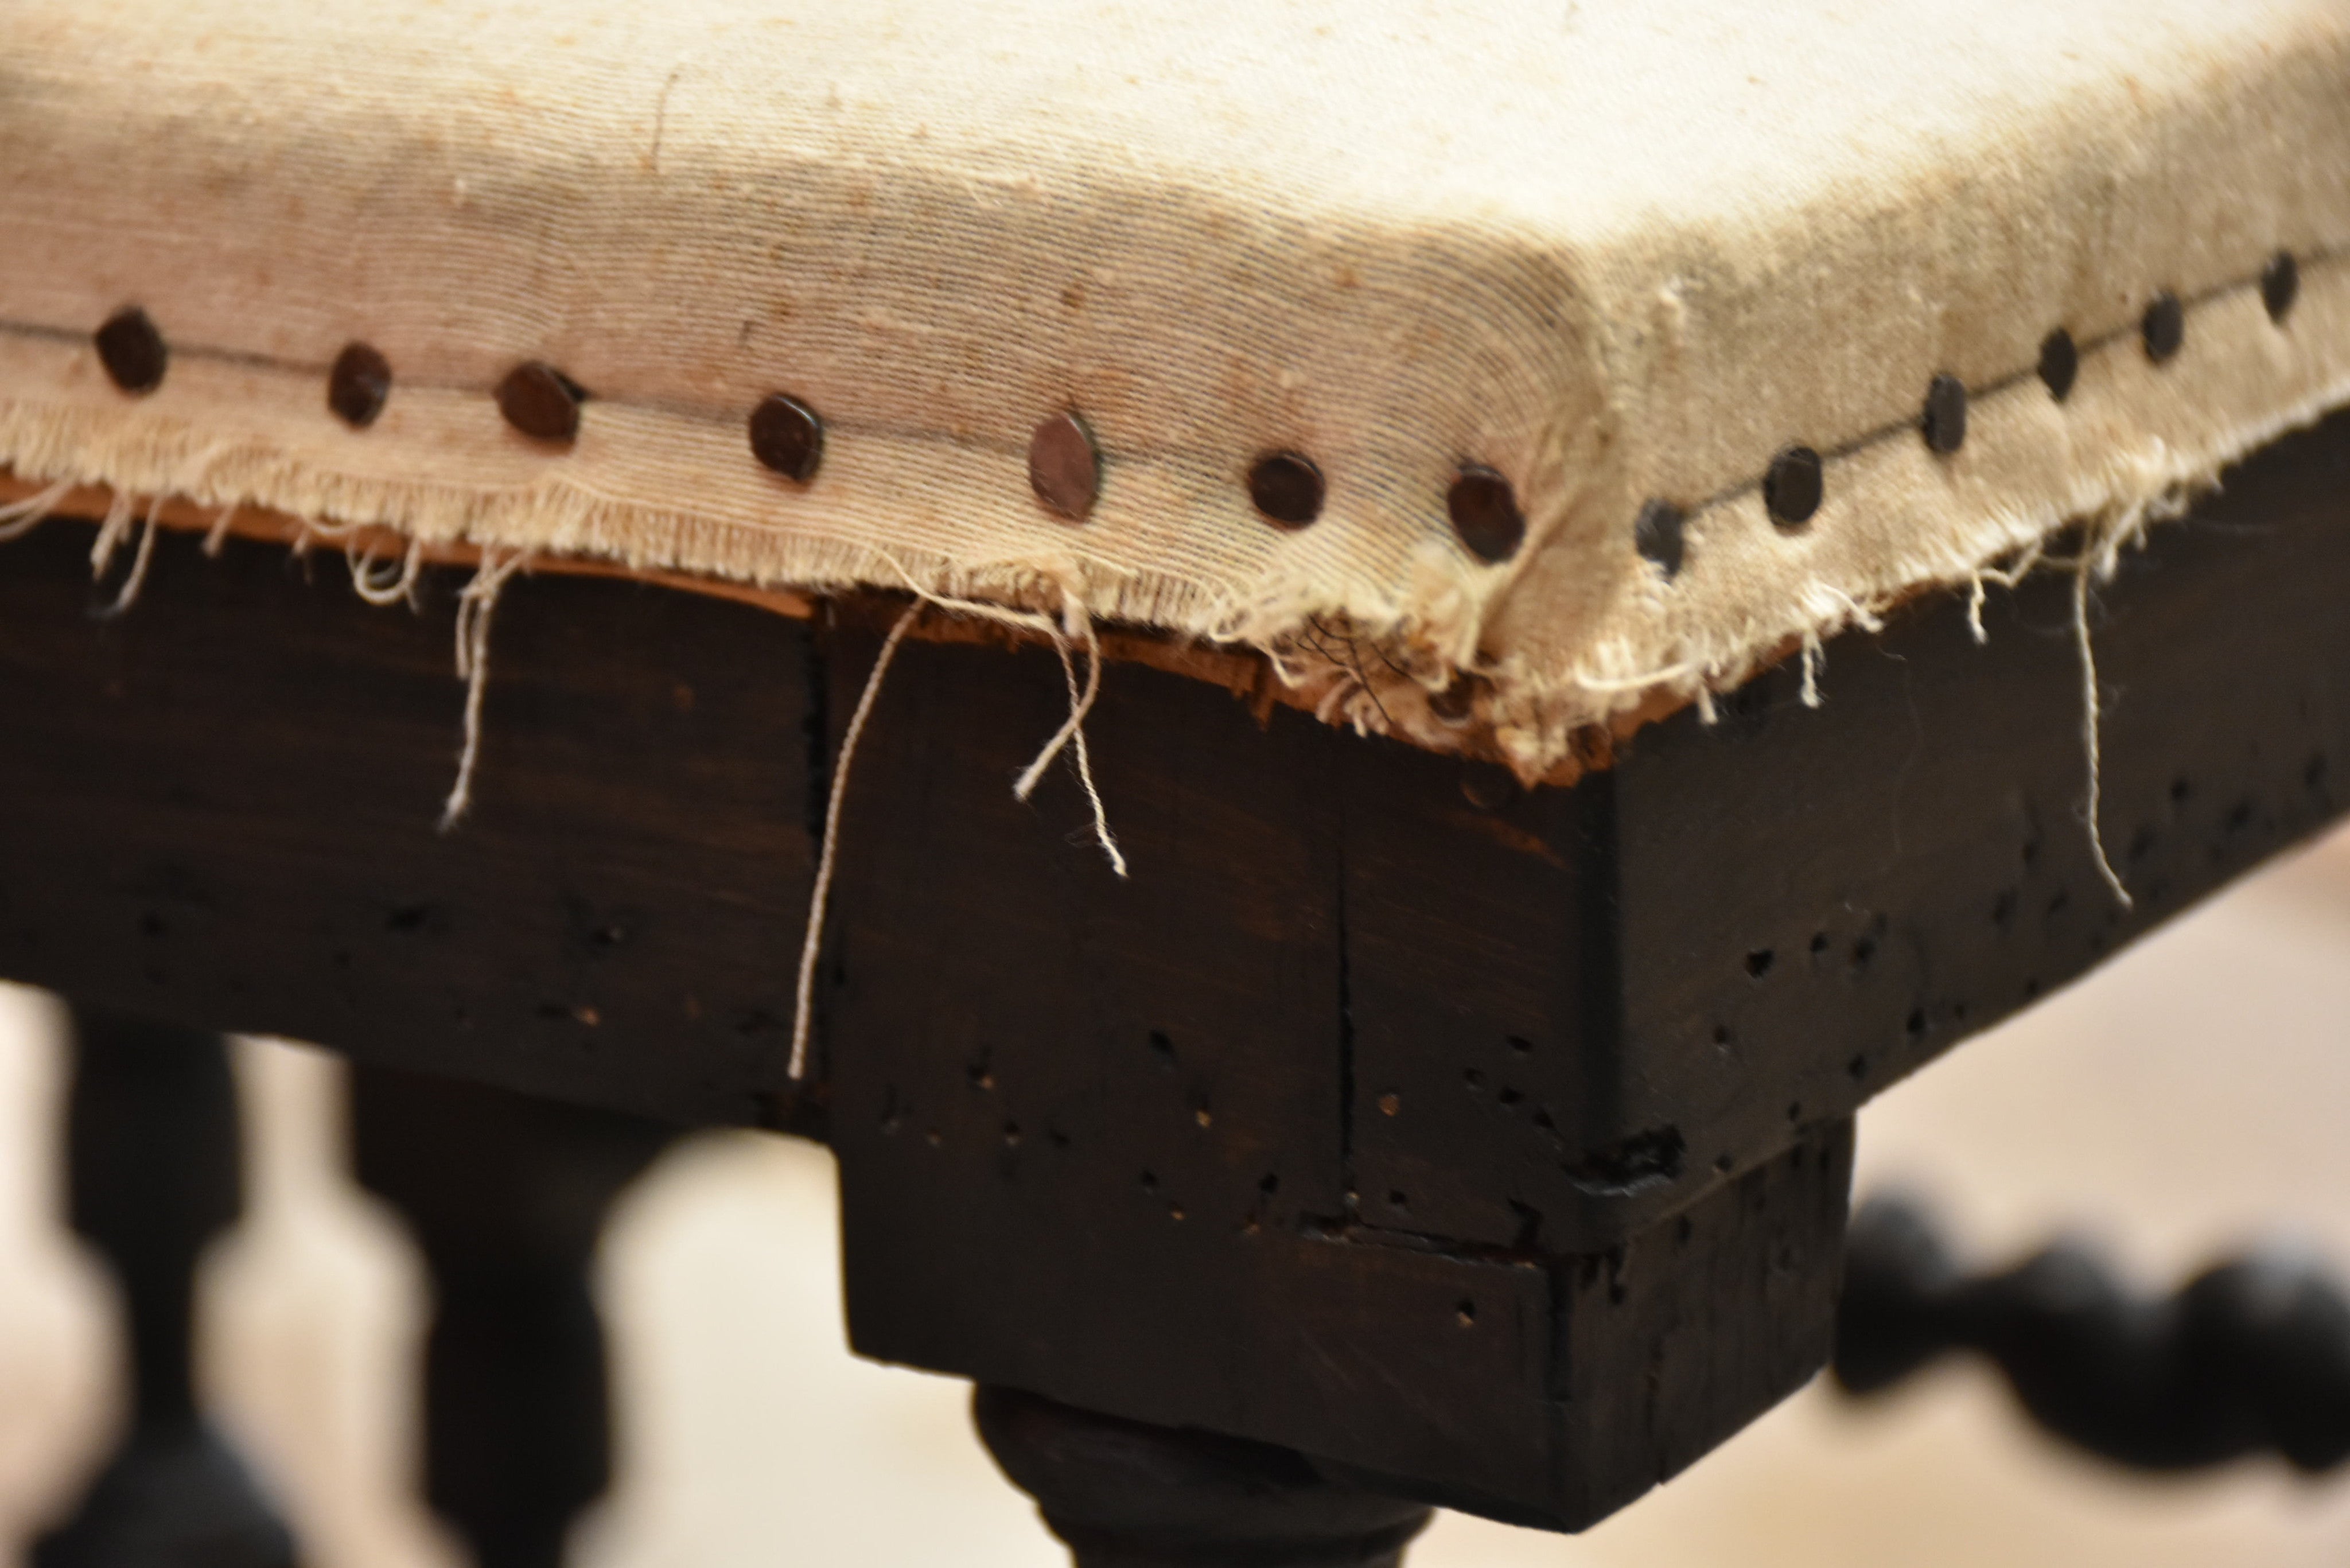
2250, 1356
1126, 1495
505, 1195
152, 1176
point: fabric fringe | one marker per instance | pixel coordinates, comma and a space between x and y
1402, 642
19, 518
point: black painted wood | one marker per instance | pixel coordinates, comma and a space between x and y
221, 807
1547, 1389
1122, 1494
153, 1176
505, 1194
1102, 1151
1800, 907
2251, 1355
1371, 1033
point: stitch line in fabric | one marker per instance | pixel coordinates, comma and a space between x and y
2323, 255
703, 415
2327, 256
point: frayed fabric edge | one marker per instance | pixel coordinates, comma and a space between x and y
1527, 719
19, 518
1380, 668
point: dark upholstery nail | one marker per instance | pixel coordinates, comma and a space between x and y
132, 351
786, 436
1944, 421
1657, 535
2060, 364
2280, 285
1793, 487
1485, 513
1064, 468
541, 401
2163, 326
1286, 488
358, 385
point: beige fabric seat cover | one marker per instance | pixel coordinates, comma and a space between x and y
1618, 252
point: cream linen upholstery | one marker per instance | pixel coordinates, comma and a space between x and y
1618, 251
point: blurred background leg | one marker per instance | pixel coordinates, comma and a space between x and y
153, 1175
506, 1195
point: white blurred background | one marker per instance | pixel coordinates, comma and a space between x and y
2193, 1094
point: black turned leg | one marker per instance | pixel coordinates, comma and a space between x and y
152, 1174
2250, 1356
1126, 1495
505, 1195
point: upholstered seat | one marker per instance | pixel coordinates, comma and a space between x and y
1499, 368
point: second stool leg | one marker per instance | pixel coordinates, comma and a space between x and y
153, 1175
506, 1194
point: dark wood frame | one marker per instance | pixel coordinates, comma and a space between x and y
1491, 1143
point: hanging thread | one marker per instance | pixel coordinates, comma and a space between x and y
476, 601
384, 592
19, 518
2091, 715
812, 941
217, 535
1075, 623
128, 594
1072, 733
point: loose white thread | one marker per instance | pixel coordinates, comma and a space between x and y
1072, 733
2090, 715
2007, 578
129, 595
313, 531
475, 602
111, 529
380, 591
1074, 622
1813, 658
19, 518
803, 1002
217, 535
